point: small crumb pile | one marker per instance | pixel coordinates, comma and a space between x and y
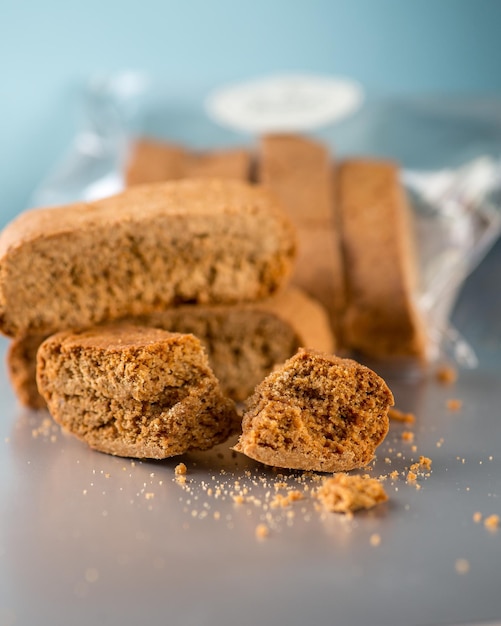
345, 494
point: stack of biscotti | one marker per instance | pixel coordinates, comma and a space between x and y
355, 243
206, 257
299, 172
244, 341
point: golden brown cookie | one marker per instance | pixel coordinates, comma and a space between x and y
382, 318
151, 161
134, 391
243, 341
148, 248
300, 172
317, 412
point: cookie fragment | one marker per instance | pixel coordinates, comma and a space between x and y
316, 412
146, 249
346, 494
244, 342
134, 391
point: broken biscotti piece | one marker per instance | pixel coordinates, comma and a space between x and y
317, 412
151, 161
382, 318
148, 248
134, 391
346, 494
243, 341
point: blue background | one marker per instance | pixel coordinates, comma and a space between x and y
49, 48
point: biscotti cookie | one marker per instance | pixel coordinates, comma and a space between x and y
134, 391
151, 161
299, 171
317, 412
382, 319
244, 342
319, 271
148, 248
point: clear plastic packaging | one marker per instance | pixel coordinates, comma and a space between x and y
449, 152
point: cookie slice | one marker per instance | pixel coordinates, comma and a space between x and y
151, 161
382, 317
134, 391
317, 412
244, 342
299, 170
148, 248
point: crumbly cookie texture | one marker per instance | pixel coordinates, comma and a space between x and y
317, 412
148, 248
346, 494
244, 342
134, 391
382, 319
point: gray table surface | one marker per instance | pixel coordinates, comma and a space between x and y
89, 538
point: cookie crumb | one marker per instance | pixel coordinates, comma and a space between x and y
425, 462
262, 531
284, 501
407, 435
180, 469
492, 522
411, 477
446, 374
343, 493
477, 517
454, 404
375, 540
462, 566
400, 416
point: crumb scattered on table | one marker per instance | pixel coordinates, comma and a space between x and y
462, 566
408, 435
446, 374
400, 416
492, 522
262, 531
344, 493
180, 469
454, 404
